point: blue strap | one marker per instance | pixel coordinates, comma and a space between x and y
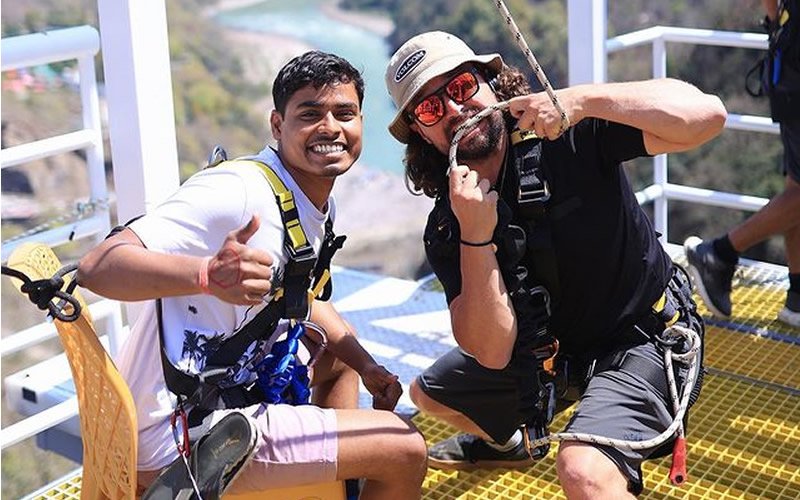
281, 377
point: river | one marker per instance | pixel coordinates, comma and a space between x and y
366, 50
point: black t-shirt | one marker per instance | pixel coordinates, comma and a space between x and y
610, 266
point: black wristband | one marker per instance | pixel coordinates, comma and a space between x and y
471, 244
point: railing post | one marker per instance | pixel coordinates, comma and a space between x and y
660, 205
141, 118
95, 160
586, 41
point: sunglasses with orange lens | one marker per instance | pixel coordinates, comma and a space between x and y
460, 88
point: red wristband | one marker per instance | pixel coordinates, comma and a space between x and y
202, 276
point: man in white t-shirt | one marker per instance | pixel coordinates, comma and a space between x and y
214, 254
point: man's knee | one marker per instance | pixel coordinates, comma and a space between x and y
417, 395
585, 472
411, 452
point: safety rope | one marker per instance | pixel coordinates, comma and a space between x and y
81, 211
537, 70
42, 292
680, 404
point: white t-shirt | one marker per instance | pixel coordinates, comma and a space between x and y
195, 221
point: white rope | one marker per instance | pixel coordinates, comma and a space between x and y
537, 70
680, 405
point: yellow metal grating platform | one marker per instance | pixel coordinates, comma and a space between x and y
744, 433
68, 488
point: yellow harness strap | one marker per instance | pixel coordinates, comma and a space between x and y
291, 218
659, 306
518, 136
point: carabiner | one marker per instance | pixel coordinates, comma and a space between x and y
183, 446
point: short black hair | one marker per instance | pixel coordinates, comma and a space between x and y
315, 68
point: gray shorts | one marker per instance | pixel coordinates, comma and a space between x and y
616, 403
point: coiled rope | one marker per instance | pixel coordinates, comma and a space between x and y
680, 403
43, 292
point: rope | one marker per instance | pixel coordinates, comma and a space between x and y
537, 70
680, 404
81, 211
42, 292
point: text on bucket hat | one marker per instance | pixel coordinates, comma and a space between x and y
421, 59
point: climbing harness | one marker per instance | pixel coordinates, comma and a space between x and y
501, 106
223, 383
43, 292
680, 404
279, 375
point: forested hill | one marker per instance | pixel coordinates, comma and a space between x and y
734, 162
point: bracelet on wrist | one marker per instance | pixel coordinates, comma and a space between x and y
472, 244
202, 276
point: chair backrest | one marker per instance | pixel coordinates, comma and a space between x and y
106, 409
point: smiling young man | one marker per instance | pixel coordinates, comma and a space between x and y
541, 246
214, 256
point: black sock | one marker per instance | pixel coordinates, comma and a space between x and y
794, 282
724, 250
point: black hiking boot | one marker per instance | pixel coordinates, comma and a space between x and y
469, 452
712, 276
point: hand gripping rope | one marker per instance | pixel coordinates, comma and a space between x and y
676, 332
537, 69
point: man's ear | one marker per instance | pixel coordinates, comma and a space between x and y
275, 123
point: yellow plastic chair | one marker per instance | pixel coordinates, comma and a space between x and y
105, 405
106, 409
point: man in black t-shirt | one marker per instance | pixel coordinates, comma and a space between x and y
539, 242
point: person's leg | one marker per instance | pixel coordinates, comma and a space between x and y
306, 444
712, 264
779, 216
430, 406
790, 313
586, 473
619, 403
461, 392
383, 448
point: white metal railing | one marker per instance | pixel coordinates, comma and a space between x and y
661, 191
81, 43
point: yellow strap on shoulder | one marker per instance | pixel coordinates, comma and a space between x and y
285, 204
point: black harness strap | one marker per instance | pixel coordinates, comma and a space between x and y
533, 202
212, 388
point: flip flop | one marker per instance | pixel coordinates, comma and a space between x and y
215, 461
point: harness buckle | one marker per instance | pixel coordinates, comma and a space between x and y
533, 196
296, 283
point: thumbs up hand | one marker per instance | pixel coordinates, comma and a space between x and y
237, 273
